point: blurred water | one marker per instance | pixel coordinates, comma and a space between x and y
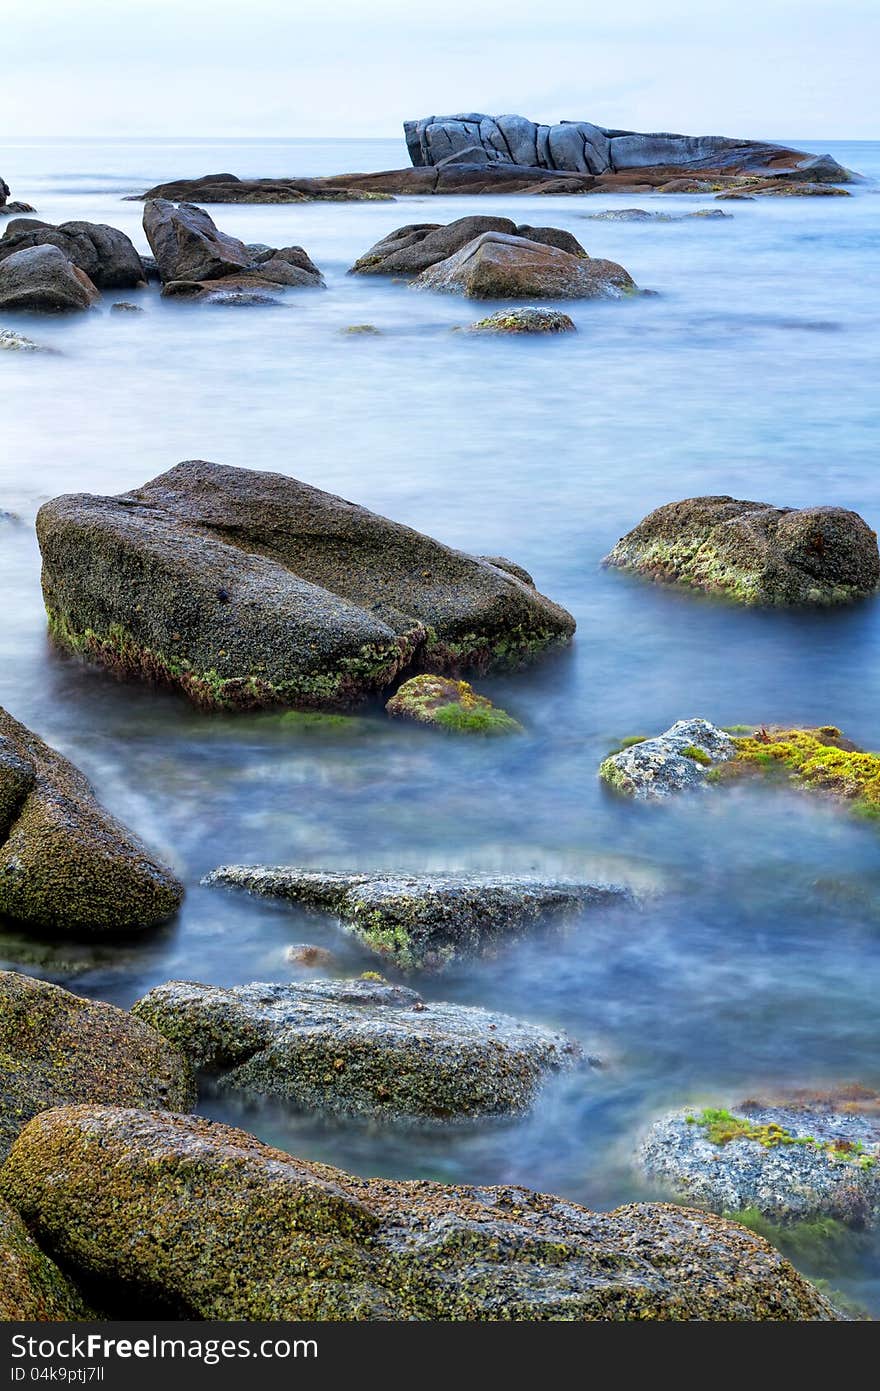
753, 372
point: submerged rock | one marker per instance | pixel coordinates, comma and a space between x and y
526, 320
754, 552
105, 254
65, 863
57, 1049
32, 1288
359, 1047
642, 215
122, 306
498, 266
676, 761
192, 255
450, 705
424, 921
42, 278
17, 343
15, 209
790, 1161
418, 246
246, 589
244, 1232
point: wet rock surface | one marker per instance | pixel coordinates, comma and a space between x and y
103, 253
245, 589
32, 1288
753, 552
242, 1231
420, 922
359, 1047
676, 761
498, 266
42, 278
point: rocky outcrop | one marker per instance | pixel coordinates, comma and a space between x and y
449, 705
245, 589
754, 552
16, 208
65, 863
4, 192
359, 1047
415, 248
42, 278
424, 921
32, 1288
581, 147
195, 259
227, 188
791, 1160
497, 266
643, 215
57, 1049
677, 761
217, 1225
104, 253
529, 319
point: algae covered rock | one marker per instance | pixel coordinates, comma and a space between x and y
450, 705
32, 1288
220, 1226
753, 552
65, 863
676, 761
525, 320
496, 265
424, 921
820, 760
359, 1047
791, 1160
246, 589
56, 1048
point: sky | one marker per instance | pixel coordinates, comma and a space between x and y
777, 69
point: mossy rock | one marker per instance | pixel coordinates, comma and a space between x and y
220, 1226
450, 705
32, 1288
819, 760
56, 1048
65, 863
525, 320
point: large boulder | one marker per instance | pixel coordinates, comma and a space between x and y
412, 249
65, 863
192, 254
677, 761
359, 1047
32, 1288
424, 921
57, 1049
754, 552
498, 266
246, 589
790, 1159
104, 253
42, 278
216, 1225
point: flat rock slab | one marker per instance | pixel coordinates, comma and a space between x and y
359, 1047
57, 1049
677, 761
496, 265
753, 552
818, 1160
424, 922
247, 589
228, 188
220, 1226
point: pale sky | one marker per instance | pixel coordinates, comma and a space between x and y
783, 69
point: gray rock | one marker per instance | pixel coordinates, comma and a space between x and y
358, 1047
642, 215
124, 307
14, 209
753, 552
677, 761
529, 319
104, 253
17, 343
820, 1162
4, 192
42, 278
425, 921
191, 251
244, 588
412, 249
497, 266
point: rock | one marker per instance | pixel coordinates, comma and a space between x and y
4, 192
32, 1288
316, 958
821, 761
220, 1226
791, 1161
676, 761
784, 189
449, 705
230, 290
734, 193
753, 552
526, 320
497, 266
192, 254
227, 188
41, 277
15, 209
57, 1049
362, 330
17, 343
415, 248
247, 589
359, 1047
642, 215
123, 307
424, 921
65, 863
104, 253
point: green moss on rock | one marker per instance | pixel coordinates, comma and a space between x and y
818, 760
451, 705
